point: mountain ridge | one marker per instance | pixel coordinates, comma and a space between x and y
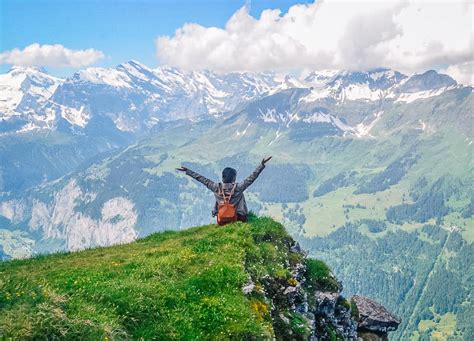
168, 93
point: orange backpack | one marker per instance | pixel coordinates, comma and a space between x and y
226, 212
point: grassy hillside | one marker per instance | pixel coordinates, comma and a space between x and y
180, 285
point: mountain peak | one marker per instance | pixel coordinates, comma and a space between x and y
428, 80
28, 69
320, 76
133, 66
136, 62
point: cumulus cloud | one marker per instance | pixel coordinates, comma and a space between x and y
463, 73
333, 34
50, 55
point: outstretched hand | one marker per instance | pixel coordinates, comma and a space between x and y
182, 169
265, 160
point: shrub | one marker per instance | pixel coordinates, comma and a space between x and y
319, 276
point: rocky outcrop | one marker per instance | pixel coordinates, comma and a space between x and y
374, 321
306, 308
334, 317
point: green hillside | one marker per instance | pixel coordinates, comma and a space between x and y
172, 285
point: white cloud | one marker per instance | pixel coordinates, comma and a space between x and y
463, 72
407, 36
50, 55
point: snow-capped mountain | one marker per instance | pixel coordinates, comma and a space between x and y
133, 97
23, 94
375, 85
286, 112
20, 82
339, 103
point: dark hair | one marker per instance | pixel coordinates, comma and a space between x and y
229, 175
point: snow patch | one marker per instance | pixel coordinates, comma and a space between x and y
316, 94
380, 74
360, 91
123, 123
110, 77
363, 129
317, 117
269, 116
242, 133
78, 117
277, 135
423, 125
411, 97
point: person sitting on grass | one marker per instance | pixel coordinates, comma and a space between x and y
230, 200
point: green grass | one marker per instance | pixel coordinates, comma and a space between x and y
319, 276
173, 285
440, 328
327, 213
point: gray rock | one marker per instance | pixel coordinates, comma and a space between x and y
326, 303
374, 317
248, 288
284, 319
329, 311
289, 290
295, 247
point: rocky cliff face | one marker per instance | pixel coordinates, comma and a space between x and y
61, 220
310, 306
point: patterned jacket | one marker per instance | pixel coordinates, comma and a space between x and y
238, 198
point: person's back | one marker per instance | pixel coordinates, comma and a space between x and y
228, 188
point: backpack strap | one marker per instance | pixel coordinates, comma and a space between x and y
221, 192
233, 189
231, 193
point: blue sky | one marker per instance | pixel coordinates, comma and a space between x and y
225, 36
122, 30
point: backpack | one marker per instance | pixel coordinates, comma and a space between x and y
226, 212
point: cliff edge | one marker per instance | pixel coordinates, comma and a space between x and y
242, 281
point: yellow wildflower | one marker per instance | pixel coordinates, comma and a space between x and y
293, 282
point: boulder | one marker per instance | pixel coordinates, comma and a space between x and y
374, 317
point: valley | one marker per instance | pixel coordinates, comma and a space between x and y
372, 172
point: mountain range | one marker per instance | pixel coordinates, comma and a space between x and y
374, 165
134, 97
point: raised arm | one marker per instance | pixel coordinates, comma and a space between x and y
252, 177
202, 179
